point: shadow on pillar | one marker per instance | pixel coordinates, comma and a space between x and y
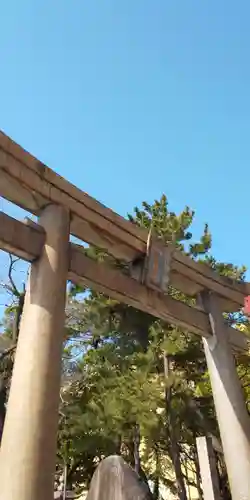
114, 479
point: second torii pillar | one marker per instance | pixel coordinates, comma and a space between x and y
232, 416
28, 449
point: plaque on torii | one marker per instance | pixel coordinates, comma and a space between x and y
153, 269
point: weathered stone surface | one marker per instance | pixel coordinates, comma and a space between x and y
114, 479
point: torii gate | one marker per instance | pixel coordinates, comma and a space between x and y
28, 450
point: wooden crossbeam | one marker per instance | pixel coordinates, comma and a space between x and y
112, 282
26, 240
20, 239
30, 184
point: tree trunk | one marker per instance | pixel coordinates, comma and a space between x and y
118, 444
198, 477
137, 440
130, 446
18, 315
156, 491
223, 480
156, 488
144, 478
175, 452
10, 352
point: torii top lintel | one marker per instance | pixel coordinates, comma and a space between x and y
31, 185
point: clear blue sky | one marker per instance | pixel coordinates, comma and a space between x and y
132, 98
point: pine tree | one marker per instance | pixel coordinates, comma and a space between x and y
132, 384
117, 338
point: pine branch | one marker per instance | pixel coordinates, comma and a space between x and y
10, 271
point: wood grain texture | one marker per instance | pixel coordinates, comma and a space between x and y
204, 276
25, 240
16, 151
113, 282
36, 376
20, 239
50, 187
32, 185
